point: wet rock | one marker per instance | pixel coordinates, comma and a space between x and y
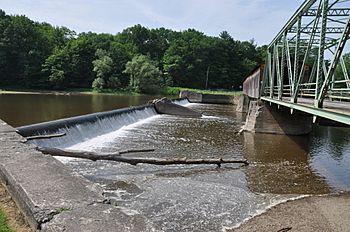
123, 185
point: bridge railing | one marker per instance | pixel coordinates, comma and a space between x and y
306, 59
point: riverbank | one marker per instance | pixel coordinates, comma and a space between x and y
176, 91
168, 91
15, 220
310, 214
67, 92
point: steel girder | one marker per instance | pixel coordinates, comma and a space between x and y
329, 30
306, 53
340, 12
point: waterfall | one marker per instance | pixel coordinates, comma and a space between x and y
82, 128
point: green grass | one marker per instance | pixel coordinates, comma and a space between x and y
103, 91
177, 90
168, 91
3, 225
71, 91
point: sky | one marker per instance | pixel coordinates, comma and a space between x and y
260, 20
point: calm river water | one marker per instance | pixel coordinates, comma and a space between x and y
199, 198
23, 109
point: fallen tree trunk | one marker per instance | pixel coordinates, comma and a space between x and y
87, 154
134, 161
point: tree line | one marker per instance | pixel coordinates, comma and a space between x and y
40, 56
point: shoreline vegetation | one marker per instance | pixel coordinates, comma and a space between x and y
11, 217
38, 55
4, 227
168, 91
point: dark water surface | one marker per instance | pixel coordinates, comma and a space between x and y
204, 197
23, 109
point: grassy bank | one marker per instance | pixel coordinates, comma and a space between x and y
177, 90
168, 91
4, 227
68, 91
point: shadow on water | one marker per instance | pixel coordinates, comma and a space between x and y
316, 163
280, 164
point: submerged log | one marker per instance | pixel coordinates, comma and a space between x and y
134, 161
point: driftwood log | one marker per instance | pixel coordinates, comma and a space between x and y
134, 161
94, 156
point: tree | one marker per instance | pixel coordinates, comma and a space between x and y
145, 77
187, 59
71, 66
339, 72
38, 55
103, 66
120, 55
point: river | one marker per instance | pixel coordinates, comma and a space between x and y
19, 109
199, 197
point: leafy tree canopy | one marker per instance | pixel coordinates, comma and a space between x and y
38, 55
145, 77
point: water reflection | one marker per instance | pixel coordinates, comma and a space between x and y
23, 109
330, 155
281, 165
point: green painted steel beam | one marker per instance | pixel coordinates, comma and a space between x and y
316, 41
336, 12
322, 30
309, 30
306, 56
296, 16
334, 63
319, 112
320, 62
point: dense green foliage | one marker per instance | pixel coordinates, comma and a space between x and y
38, 55
339, 73
145, 77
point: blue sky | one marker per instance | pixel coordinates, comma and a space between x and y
243, 19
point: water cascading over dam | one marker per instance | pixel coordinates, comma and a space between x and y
82, 128
195, 197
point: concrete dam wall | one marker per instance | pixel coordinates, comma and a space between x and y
82, 128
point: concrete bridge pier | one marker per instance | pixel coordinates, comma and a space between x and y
243, 103
265, 118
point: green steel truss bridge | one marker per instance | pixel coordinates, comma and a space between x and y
305, 68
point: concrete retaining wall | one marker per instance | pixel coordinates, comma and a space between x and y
263, 118
52, 196
243, 103
167, 107
195, 97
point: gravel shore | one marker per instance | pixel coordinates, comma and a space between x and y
311, 214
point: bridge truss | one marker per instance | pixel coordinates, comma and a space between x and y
305, 67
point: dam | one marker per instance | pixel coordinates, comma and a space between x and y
194, 197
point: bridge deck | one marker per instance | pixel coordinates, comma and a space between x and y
335, 111
336, 106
